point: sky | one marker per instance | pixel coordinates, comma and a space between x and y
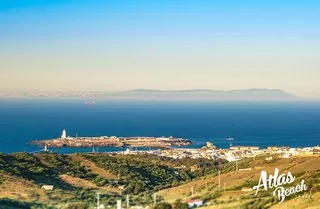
115, 45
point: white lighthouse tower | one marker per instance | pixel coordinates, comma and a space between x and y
64, 134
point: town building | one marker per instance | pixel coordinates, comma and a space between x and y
194, 203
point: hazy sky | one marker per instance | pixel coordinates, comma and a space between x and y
65, 45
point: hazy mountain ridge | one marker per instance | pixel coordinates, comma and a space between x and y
192, 94
247, 94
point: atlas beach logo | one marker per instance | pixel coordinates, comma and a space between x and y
277, 182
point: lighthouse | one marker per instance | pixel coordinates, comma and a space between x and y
64, 134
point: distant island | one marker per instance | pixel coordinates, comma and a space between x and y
113, 141
155, 94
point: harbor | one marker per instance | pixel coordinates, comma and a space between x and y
112, 141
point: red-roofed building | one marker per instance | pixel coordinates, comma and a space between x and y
316, 151
194, 203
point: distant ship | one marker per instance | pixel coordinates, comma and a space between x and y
90, 102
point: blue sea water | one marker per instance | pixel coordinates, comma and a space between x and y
261, 124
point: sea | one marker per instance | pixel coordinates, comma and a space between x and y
263, 124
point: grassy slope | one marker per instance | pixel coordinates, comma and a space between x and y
78, 177
93, 167
302, 167
303, 202
23, 183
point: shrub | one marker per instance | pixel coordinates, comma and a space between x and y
163, 206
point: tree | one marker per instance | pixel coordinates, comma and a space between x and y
138, 188
180, 205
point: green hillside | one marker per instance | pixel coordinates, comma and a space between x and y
76, 178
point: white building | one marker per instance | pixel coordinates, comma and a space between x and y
194, 203
64, 134
47, 187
